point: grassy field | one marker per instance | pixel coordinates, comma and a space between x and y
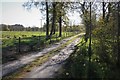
17, 34
9, 38
29, 41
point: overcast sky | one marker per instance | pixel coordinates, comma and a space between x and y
14, 13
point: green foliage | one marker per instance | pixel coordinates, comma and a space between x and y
76, 66
104, 45
102, 65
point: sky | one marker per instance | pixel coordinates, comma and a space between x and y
12, 12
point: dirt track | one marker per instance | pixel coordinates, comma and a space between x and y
51, 67
9, 67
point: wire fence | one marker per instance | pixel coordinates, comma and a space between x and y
22, 45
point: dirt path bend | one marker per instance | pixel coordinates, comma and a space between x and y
51, 67
10, 67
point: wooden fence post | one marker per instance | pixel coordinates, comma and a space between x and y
39, 41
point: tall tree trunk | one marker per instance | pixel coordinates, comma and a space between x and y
84, 11
54, 29
103, 3
53, 20
118, 36
109, 10
89, 49
60, 26
47, 21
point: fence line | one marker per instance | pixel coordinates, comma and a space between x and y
35, 41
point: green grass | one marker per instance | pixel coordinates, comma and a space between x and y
20, 33
77, 64
32, 40
39, 61
10, 38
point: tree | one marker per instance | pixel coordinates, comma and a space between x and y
118, 35
55, 13
60, 18
60, 26
47, 21
103, 3
85, 18
53, 19
43, 9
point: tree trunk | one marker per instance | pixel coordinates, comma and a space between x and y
47, 21
84, 11
89, 49
109, 10
54, 29
53, 20
103, 3
60, 26
118, 35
